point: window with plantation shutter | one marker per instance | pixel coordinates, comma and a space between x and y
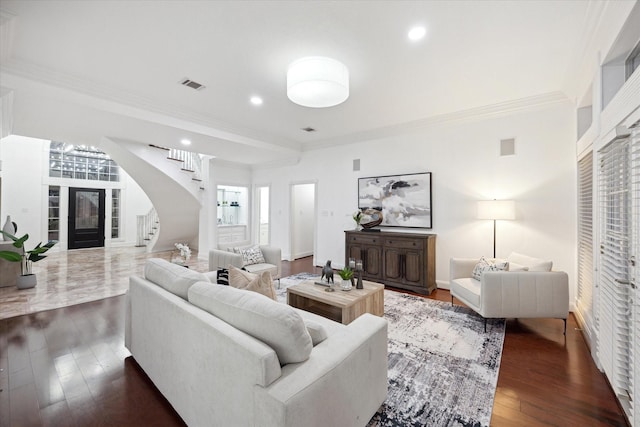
585, 239
635, 273
614, 320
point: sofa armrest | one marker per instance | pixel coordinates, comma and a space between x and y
222, 259
461, 267
347, 370
524, 294
273, 255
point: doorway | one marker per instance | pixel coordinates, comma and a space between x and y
262, 199
303, 220
86, 218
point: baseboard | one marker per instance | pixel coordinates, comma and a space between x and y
443, 284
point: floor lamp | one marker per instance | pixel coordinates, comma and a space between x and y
495, 210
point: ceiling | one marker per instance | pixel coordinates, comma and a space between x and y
83, 70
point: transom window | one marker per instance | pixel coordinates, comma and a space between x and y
81, 162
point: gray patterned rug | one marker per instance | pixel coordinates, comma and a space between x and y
443, 367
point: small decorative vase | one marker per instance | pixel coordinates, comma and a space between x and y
346, 284
27, 281
8, 227
177, 258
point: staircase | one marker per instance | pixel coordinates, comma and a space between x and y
187, 161
172, 179
147, 226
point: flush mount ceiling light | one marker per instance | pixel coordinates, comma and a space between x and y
417, 33
317, 82
256, 100
185, 141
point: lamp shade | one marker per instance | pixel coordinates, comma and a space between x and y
496, 209
317, 82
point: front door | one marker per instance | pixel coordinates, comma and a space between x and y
86, 218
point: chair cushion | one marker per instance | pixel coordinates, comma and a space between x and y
486, 265
277, 325
533, 264
260, 283
259, 268
172, 277
467, 288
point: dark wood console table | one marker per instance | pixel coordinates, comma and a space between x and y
401, 260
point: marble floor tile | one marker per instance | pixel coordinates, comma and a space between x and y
82, 275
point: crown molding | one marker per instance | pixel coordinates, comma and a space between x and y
7, 30
473, 114
121, 102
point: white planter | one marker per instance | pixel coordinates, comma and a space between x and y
26, 282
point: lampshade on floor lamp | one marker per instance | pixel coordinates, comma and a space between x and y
495, 210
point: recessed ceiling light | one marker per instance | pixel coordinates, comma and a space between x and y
256, 100
185, 141
417, 33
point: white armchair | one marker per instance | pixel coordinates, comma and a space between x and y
222, 258
510, 294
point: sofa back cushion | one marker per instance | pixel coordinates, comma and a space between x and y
532, 264
277, 325
172, 277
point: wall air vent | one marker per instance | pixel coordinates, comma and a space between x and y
308, 129
190, 83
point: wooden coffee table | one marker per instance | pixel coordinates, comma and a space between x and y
341, 306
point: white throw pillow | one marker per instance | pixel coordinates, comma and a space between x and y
486, 265
533, 264
517, 267
277, 325
172, 277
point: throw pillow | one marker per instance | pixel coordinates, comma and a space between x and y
486, 265
534, 264
223, 277
517, 267
260, 283
251, 255
316, 330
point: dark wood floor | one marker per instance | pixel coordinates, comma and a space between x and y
68, 367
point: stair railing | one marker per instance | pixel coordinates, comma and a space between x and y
191, 162
147, 225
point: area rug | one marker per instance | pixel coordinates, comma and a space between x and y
443, 367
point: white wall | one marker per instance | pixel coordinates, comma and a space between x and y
466, 166
22, 187
25, 182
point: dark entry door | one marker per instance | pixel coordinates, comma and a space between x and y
86, 218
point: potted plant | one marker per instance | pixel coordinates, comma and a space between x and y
26, 279
346, 274
357, 217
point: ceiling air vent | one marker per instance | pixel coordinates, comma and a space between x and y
308, 129
190, 83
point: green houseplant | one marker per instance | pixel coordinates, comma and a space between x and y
346, 274
26, 279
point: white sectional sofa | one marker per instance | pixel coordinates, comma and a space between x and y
528, 289
253, 362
